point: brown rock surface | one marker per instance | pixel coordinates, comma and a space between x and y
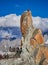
25, 22
37, 38
33, 41
42, 54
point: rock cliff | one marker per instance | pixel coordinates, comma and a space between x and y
32, 41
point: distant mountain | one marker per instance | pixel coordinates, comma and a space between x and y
10, 33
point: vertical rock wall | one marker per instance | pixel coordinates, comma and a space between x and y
26, 54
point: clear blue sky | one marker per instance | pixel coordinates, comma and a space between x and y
38, 7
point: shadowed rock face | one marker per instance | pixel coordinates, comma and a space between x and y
42, 56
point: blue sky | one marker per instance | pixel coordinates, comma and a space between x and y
38, 7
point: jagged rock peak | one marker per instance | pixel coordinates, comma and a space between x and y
25, 21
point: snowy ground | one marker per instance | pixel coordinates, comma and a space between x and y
12, 61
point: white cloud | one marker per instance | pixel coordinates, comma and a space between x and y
41, 23
10, 20
14, 20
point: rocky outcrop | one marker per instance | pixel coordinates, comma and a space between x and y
25, 22
33, 50
32, 41
27, 50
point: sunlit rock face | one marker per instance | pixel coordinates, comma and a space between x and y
25, 22
37, 37
33, 42
26, 47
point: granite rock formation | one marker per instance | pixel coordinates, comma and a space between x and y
33, 50
32, 42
